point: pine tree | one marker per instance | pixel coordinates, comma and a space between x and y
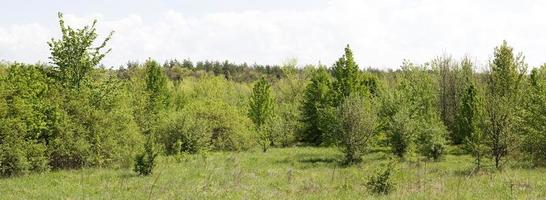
316, 100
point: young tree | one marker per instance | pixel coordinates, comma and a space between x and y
415, 120
156, 90
347, 79
73, 55
261, 111
468, 123
504, 81
145, 161
468, 117
448, 93
316, 99
534, 117
357, 120
395, 122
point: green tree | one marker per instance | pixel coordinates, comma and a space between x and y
357, 120
73, 55
24, 124
502, 101
448, 97
395, 122
416, 121
469, 116
156, 89
534, 116
156, 93
261, 111
146, 161
347, 80
317, 98
469, 124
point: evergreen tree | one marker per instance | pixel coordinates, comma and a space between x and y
316, 100
346, 77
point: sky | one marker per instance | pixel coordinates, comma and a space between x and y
381, 33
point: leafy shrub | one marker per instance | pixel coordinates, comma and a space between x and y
400, 133
357, 126
431, 139
145, 161
17, 155
206, 125
229, 128
381, 182
182, 133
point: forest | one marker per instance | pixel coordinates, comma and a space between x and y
72, 117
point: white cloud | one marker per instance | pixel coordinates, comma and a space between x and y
381, 33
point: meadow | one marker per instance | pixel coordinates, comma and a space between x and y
281, 173
74, 129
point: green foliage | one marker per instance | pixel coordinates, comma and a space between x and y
146, 161
261, 103
502, 102
73, 56
409, 115
316, 101
381, 182
347, 80
50, 119
431, 139
261, 110
183, 133
70, 114
400, 133
449, 85
357, 126
156, 92
534, 116
289, 93
469, 118
156, 86
228, 128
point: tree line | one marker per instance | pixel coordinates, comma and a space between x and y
72, 113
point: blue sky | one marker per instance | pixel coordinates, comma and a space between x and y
381, 32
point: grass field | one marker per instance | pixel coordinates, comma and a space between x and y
291, 173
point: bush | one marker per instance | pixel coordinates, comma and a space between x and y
91, 132
357, 126
381, 182
145, 161
182, 133
431, 139
400, 133
206, 125
17, 155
